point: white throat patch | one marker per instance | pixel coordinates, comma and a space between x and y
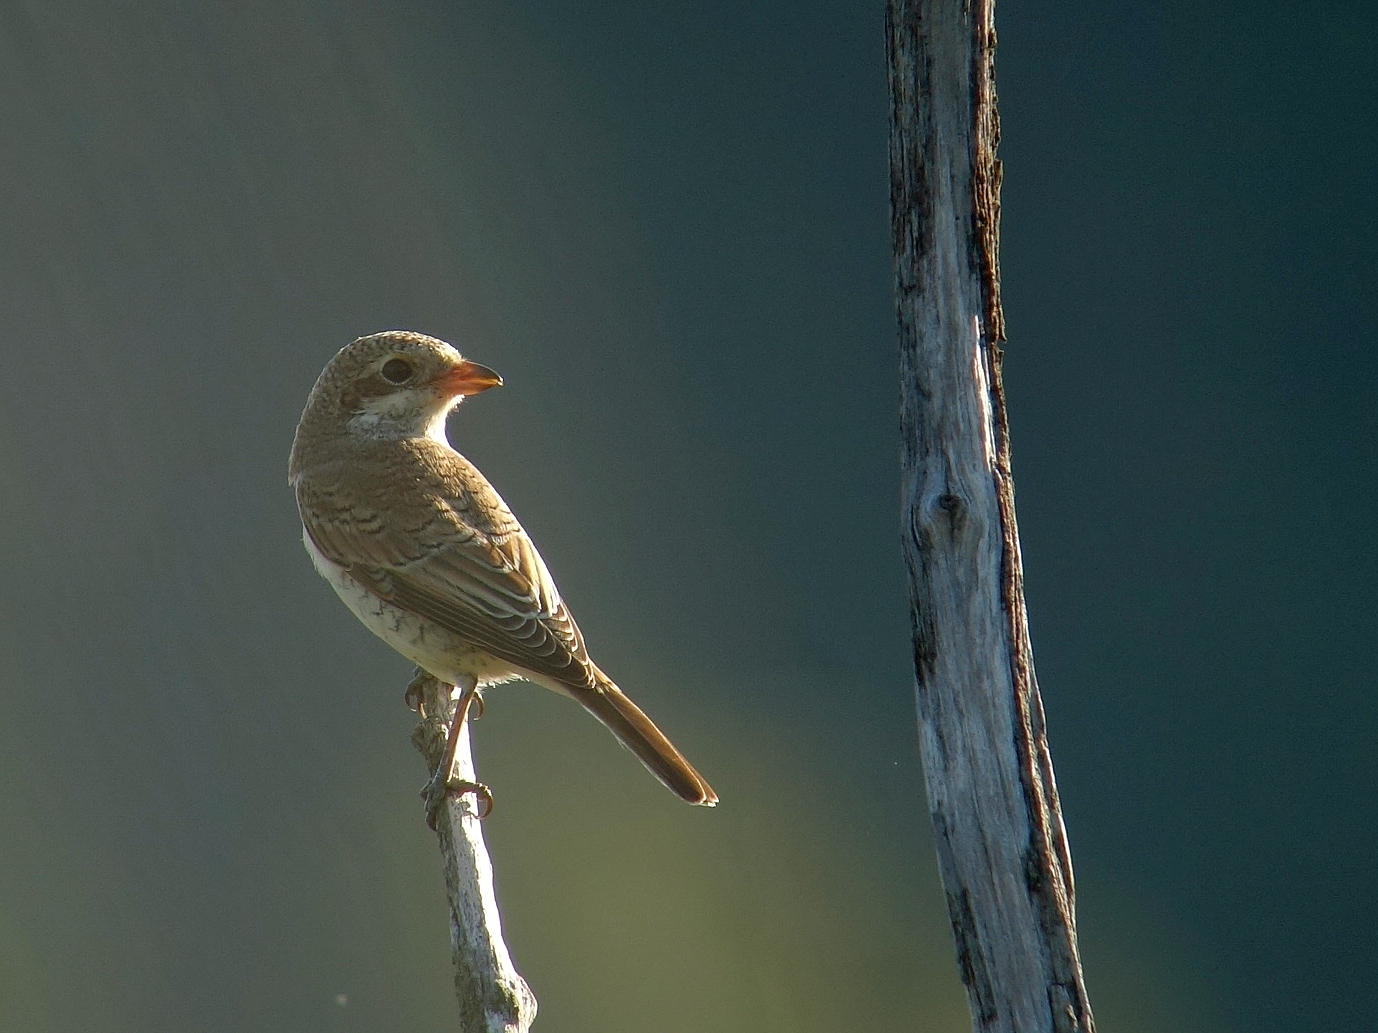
403, 414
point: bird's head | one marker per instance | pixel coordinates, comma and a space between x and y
396, 384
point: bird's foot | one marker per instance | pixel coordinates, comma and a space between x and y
414, 697
436, 791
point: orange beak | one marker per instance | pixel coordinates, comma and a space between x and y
467, 378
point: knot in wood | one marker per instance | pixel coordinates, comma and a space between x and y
954, 506
941, 520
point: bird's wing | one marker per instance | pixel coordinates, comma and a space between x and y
450, 551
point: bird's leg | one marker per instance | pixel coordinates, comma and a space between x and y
457, 726
442, 784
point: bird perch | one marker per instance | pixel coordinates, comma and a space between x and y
493, 997
1002, 849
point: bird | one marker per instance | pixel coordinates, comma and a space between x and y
424, 551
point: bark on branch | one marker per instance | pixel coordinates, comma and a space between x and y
493, 997
1002, 847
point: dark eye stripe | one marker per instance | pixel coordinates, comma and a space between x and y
396, 371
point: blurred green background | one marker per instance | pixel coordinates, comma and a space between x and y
667, 227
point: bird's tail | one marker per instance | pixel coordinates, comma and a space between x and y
639, 734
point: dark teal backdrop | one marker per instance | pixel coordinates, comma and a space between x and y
667, 227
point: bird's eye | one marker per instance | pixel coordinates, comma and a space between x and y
396, 371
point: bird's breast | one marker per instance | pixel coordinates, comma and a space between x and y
426, 644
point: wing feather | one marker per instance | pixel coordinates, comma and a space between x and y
449, 551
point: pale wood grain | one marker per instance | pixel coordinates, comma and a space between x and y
1002, 847
493, 997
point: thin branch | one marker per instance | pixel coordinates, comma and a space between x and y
1002, 847
493, 997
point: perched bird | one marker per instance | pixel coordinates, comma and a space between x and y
425, 552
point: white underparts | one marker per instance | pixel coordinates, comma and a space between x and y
434, 648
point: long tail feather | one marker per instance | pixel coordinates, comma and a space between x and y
639, 734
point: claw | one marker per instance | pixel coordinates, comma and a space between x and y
435, 794
484, 794
413, 696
